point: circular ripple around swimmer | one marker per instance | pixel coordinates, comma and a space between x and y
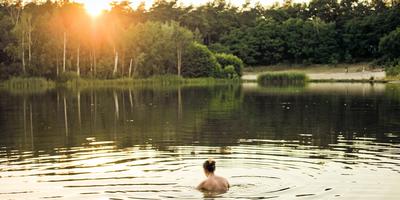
255, 170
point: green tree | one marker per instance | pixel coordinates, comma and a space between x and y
389, 45
199, 61
230, 60
182, 37
326, 10
242, 43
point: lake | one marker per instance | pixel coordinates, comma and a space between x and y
324, 141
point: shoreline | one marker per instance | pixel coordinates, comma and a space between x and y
38, 83
314, 74
354, 73
354, 77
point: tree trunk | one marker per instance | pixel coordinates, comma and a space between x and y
130, 68
29, 42
77, 63
65, 49
57, 65
122, 65
115, 63
94, 62
91, 63
179, 59
23, 52
15, 14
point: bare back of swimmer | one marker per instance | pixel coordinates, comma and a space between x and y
213, 183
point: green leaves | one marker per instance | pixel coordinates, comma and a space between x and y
390, 44
199, 61
228, 61
293, 40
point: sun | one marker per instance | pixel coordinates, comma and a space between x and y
93, 11
95, 7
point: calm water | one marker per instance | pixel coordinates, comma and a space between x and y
326, 141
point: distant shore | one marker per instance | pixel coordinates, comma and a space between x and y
361, 72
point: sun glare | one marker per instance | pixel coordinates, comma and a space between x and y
95, 8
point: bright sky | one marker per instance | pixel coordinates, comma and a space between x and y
94, 7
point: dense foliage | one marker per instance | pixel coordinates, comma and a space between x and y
199, 61
226, 60
53, 37
60, 40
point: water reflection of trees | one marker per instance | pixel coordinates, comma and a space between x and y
182, 116
134, 116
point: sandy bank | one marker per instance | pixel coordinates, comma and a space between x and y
351, 76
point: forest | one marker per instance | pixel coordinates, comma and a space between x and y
55, 38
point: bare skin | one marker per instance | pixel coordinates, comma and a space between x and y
214, 183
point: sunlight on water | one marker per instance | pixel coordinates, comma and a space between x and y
331, 146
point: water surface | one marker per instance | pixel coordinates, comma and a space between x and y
325, 141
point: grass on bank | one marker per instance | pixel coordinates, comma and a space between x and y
34, 83
165, 80
282, 79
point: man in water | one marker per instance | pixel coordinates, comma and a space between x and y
213, 183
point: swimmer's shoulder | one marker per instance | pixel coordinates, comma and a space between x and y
201, 185
223, 180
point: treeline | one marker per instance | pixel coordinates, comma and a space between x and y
53, 37
321, 31
59, 40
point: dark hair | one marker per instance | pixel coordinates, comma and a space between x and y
209, 165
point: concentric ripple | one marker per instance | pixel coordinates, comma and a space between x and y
256, 169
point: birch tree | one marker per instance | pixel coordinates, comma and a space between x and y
182, 38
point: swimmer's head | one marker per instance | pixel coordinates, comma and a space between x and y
209, 165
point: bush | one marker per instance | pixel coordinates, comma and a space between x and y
286, 78
228, 59
229, 72
199, 61
393, 69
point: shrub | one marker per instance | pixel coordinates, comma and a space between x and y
228, 59
393, 70
229, 72
286, 78
199, 61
